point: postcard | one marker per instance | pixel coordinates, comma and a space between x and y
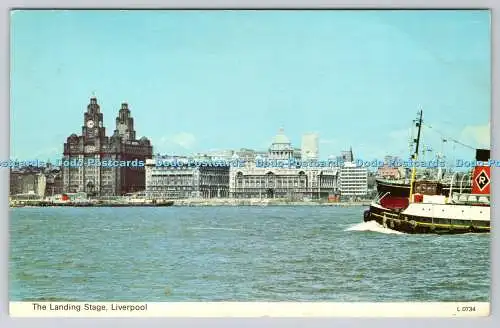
241, 163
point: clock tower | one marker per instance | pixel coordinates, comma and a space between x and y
93, 129
100, 165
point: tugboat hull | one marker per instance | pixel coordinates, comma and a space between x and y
414, 224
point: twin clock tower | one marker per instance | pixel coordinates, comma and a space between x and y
93, 144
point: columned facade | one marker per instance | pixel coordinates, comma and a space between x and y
186, 181
283, 182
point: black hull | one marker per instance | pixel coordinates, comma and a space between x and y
422, 225
403, 189
394, 190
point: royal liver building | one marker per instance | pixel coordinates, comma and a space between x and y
105, 166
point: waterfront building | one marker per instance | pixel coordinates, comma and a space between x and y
35, 181
310, 147
273, 175
347, 156
248, 156
390, 170
353, 181
371, 180
54, 182
217, 154
338, 159
281, 147
297, 153
186, 177
246, 173
27, 182
371, 184
123, 151
287, 183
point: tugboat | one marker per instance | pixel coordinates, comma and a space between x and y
428, 210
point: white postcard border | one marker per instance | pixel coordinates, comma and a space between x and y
5, 321
249, 309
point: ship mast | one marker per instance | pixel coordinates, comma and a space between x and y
415, 154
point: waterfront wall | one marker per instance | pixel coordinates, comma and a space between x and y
260, 202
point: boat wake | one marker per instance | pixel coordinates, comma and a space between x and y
372, 226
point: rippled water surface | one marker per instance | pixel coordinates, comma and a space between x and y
236, 253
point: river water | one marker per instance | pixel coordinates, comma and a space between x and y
248, 253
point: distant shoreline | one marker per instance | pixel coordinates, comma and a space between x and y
185, 203
257, 202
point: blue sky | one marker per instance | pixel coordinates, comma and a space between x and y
204, 80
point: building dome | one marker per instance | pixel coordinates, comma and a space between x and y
281, 148
281, 138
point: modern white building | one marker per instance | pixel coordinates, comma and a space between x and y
310, 146
353, 181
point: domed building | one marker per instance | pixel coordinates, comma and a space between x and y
281, 147
277, 175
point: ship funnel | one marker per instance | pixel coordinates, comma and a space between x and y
481, 173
